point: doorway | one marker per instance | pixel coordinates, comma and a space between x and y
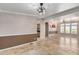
46, 29
38, 30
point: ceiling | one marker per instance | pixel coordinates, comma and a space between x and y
31, 8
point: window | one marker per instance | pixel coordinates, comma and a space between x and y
62, 28
74, 28
70, 28
67, 28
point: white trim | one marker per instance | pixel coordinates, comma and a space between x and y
16, 34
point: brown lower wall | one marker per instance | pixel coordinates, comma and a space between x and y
9, 41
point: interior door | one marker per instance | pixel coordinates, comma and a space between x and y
46, 29
38, 30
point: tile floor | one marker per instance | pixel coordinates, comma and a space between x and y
54, 45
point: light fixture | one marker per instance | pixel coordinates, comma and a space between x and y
41, 9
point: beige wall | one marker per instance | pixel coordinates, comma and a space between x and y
12, 24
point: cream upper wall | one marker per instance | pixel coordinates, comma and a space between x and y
11, 24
